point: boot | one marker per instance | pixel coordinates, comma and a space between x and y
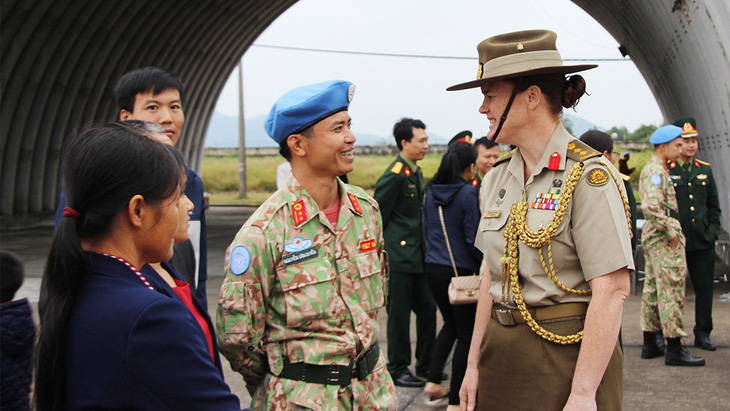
651, 349
660, 340
677, 354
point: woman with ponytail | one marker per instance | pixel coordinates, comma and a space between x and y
113, 337
451, 189
556, 237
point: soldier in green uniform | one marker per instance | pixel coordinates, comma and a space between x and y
699, 214
305, 276
399, 191
663, 299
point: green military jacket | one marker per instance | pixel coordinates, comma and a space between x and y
298, 287
699, 205
399, 191
659, 204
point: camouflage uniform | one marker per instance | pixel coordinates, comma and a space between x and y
663, 300
317, 304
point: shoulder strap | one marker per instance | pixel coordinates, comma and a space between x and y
448, 245
580, 151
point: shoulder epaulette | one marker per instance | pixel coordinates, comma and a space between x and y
397, 167
704, 163
504, 158
580, 151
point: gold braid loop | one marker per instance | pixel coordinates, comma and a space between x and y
517, 230
627, 208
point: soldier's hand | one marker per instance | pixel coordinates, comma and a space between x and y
468, 392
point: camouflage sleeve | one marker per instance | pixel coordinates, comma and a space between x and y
241, 318
652, 194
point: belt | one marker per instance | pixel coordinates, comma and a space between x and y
511, 315
334, 374
671, 213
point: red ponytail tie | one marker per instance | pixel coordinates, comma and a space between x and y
70, 212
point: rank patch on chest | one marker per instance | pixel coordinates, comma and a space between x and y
597, 177
240, 260
367, 245
299, 249
298, 212
547, 201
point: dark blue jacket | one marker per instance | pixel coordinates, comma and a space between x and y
130, 347
460, 204
17, 334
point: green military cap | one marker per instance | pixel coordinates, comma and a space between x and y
464, 137
680, 122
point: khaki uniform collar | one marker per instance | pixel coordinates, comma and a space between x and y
558, 144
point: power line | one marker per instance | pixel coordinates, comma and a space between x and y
420, 56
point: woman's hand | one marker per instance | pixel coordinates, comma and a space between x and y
580, 403
468, 392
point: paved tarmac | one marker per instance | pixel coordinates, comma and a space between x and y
648, 384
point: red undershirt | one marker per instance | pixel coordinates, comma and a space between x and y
333, 213
182, 290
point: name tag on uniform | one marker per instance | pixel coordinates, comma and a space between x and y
299, 249
492, 213
367, 245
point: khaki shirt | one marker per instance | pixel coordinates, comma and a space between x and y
593, 238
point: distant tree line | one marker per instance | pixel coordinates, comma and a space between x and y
641, 134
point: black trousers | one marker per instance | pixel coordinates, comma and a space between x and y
701, 267
458, 327
409, 292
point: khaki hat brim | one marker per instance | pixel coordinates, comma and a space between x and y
542, 70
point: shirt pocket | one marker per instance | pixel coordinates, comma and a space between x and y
308, 291
238, 302
490, 238
370, 282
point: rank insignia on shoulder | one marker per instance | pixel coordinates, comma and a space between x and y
299, 249
367, 245
656, 179
240, 260
597, 177
355, 203
298, 212
397, 167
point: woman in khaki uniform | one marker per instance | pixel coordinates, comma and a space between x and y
555, 234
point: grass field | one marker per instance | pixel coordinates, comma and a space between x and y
220, 174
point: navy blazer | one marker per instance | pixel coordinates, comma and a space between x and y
133, 348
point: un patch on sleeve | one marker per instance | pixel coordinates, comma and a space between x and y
597, 177
656, 179
240, 260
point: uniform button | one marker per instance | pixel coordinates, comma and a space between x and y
693, 220
403, 242
675, 184
689, 184
692, 208
412, 195
703, 183
691, 196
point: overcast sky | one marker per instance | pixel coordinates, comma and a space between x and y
392, 87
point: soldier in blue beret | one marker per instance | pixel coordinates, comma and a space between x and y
699, 214
305, 276
663, 242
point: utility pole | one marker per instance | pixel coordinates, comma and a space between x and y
242, 186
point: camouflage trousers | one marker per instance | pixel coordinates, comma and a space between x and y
376, 392
662, 303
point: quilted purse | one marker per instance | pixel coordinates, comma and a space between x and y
462, 289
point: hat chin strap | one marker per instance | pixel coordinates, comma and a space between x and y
506, 109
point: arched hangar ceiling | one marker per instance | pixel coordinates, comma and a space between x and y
61, 58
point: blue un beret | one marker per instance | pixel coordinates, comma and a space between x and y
306, 106
665, 134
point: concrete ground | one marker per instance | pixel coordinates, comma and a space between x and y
648, 384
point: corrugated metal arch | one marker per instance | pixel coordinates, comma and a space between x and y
61, 59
